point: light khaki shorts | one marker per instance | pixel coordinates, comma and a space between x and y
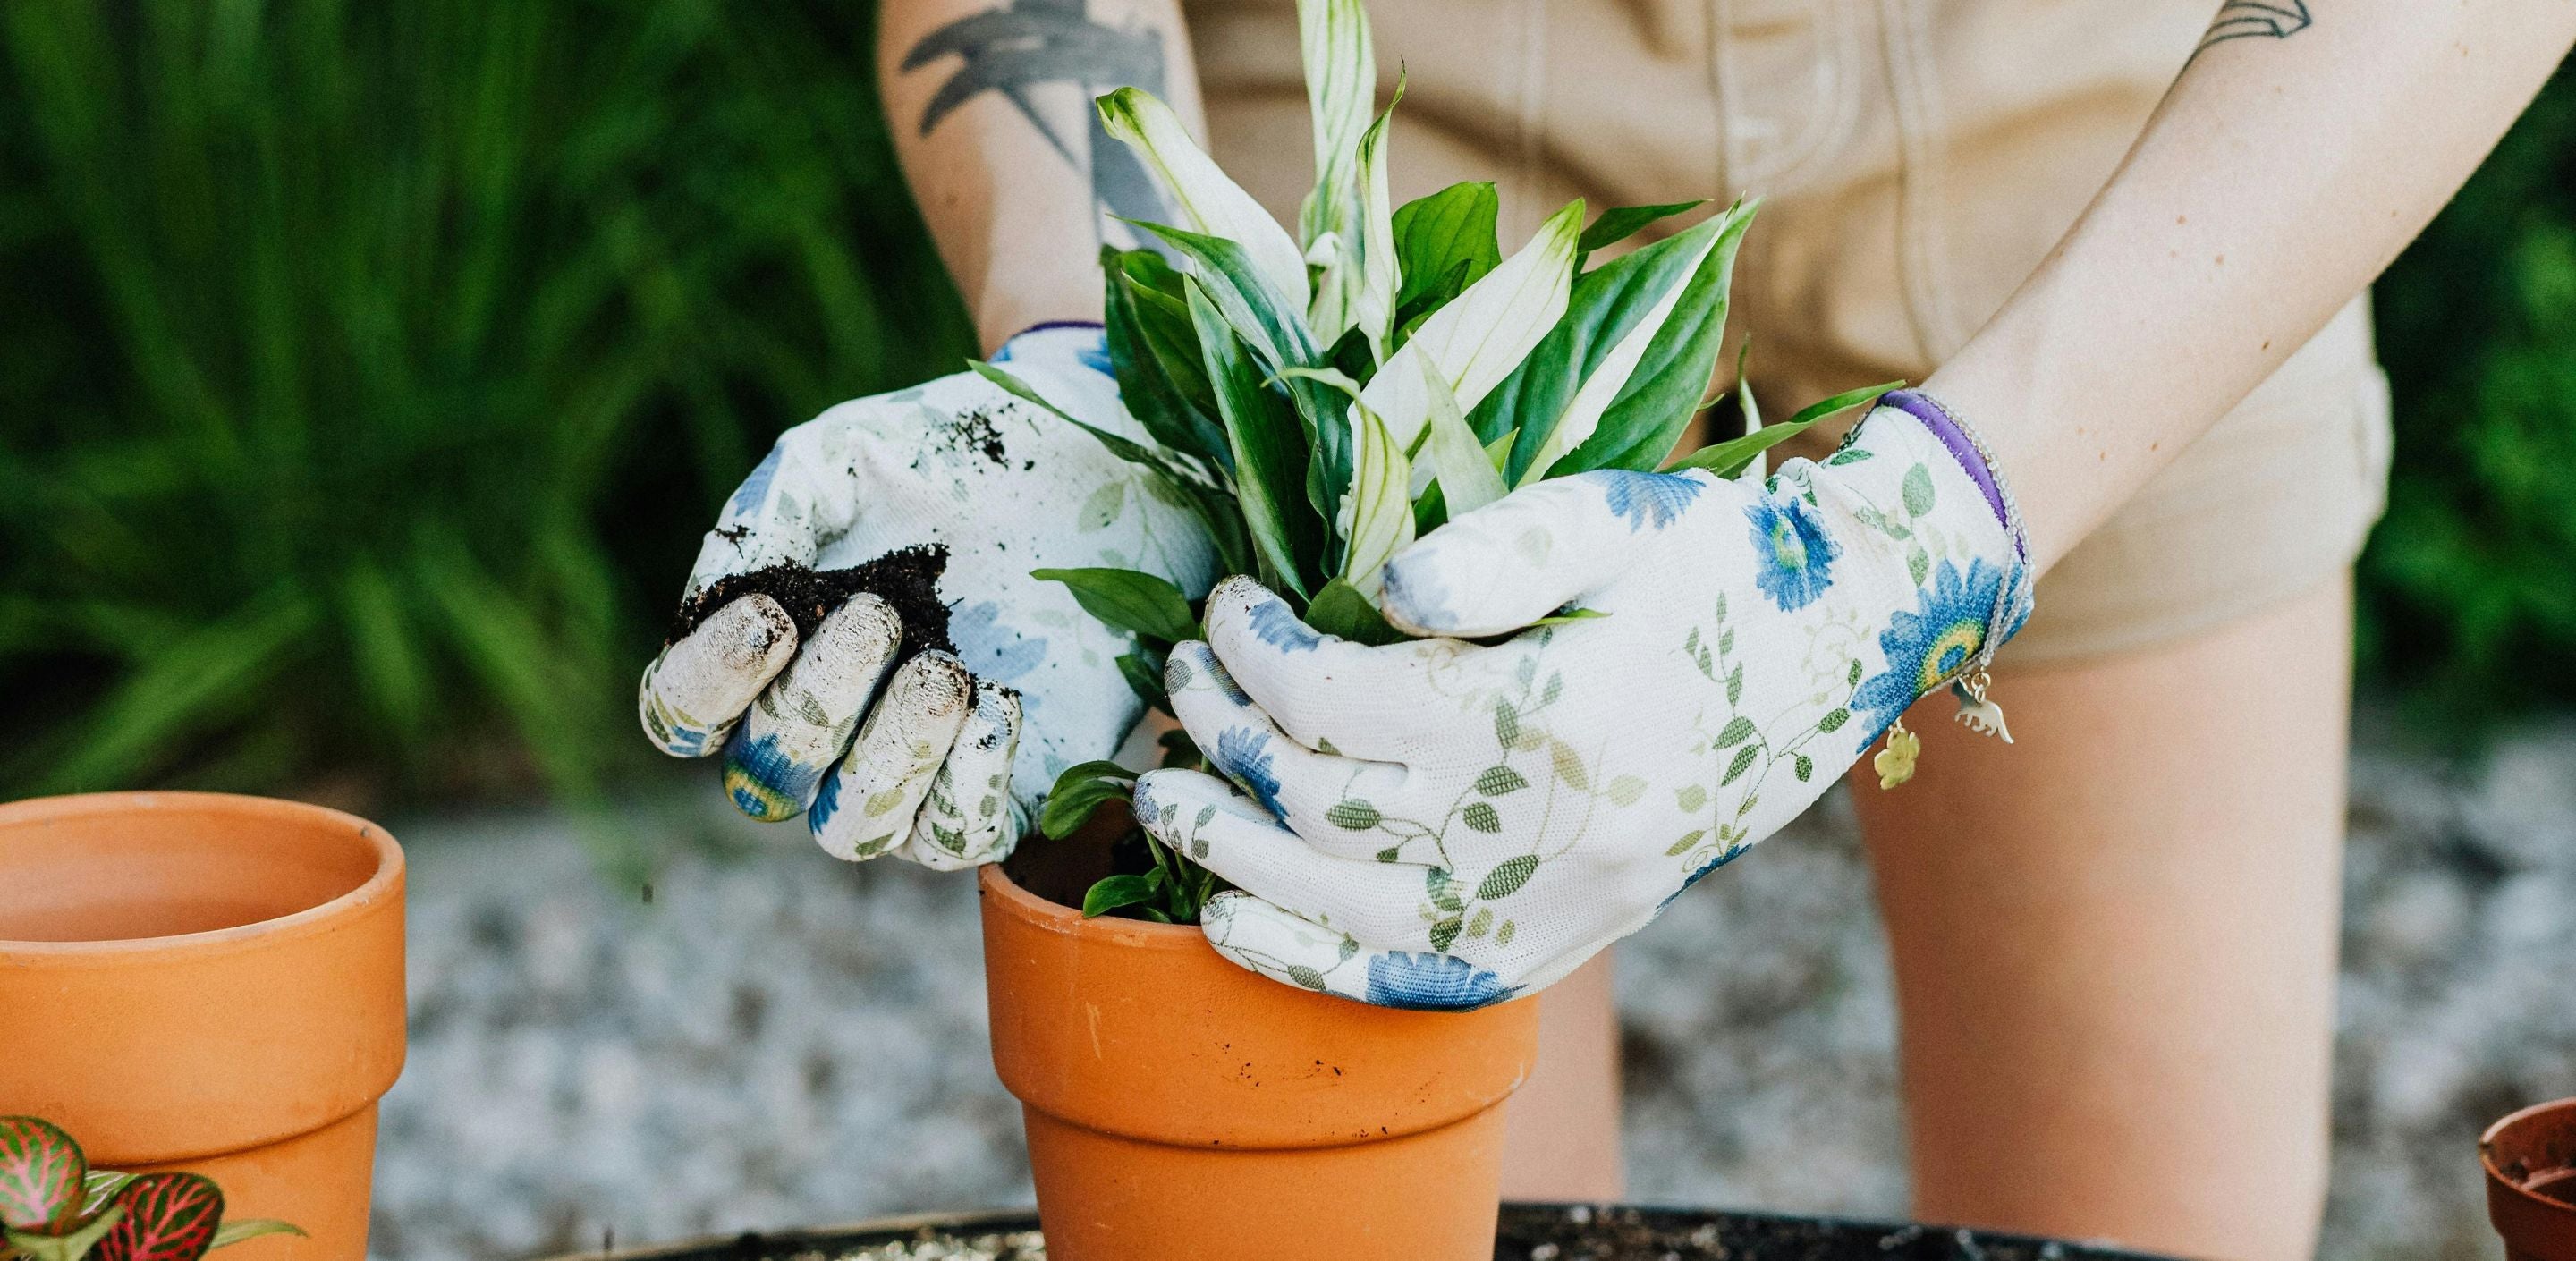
1917, 159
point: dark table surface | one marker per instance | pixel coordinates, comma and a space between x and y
1530, 1232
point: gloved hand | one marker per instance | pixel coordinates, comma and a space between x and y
1463, 823
931, 763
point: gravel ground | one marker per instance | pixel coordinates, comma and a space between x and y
774, 1039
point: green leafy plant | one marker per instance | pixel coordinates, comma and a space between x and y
390, 357
54, 1207
2467, 609
1320, 400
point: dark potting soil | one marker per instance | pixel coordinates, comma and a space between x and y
1530, 1232
906, 578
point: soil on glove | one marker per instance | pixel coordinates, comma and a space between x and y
907, 579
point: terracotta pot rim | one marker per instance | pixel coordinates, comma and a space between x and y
2497, 1179
380, 883
1055, 917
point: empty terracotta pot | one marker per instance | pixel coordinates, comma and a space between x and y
208, 982
2530, 1160
1179, 1107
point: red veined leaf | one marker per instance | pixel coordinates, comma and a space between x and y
168, 1217
40, 1173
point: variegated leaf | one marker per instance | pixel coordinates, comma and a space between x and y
1482, 335
1214, 204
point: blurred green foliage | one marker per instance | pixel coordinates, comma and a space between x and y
2469, 585
368, 370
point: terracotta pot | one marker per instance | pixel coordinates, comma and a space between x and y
208, 982
1179, 1107
2530, 1160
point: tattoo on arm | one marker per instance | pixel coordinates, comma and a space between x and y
1026, 44
2255, 19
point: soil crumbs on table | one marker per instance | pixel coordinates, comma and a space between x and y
1584, 1232
906, 578
1024, 1245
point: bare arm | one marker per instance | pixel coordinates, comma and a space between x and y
990, 104
2290, 162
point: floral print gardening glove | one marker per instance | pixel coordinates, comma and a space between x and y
925, 759
1466, 823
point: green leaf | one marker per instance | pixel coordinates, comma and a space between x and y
71, 1245
1178, 748
1306, 976
1498, 781
1561, 617
100, 1187
1144, 675
1733, 456
1507, 724
1917, 488
1691, 797
1558, 396
234, 1232
1270, 461
1213, 203
1690, 841
1742, 762
1153, 353
1833, 720
1446, 239
1482, 817
1728, 458
1625, 790
1663, 391
1621, 222
1341, 611
1804, 766
1507, 877
1138, 603
1111, 893
1737, 731
1278, 337
1353, 814
1080, 790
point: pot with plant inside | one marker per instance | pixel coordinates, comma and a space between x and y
1294, 409
1316, 404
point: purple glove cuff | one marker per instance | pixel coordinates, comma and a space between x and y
1963, 448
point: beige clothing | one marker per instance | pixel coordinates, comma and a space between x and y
1917, 159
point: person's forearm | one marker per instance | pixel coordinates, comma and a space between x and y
2287, 166
990, 105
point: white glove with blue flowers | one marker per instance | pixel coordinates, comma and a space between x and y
1465, 823
930, 762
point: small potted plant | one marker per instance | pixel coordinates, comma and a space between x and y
1318, 400
199, 981
54, 1207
